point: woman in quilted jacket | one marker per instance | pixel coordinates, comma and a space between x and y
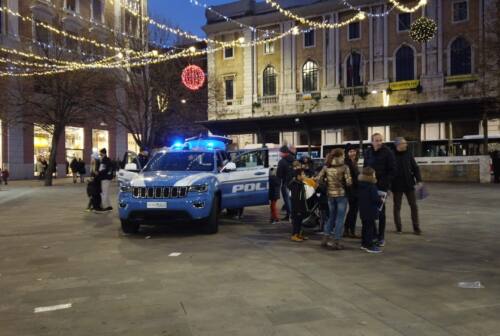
335, 174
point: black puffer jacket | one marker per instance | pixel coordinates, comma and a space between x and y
354, 170
407, 172
298, 198
384, 163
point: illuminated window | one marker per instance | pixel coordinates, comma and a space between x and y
353, 67
310, 77
269, 81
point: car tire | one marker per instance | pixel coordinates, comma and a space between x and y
129, 227
211, 223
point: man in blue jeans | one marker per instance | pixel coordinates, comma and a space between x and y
285, 173
382, 160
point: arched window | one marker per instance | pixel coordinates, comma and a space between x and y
353, 67
460, 57
405, 66
310, 77
269, 81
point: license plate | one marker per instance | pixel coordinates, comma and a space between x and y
157, 205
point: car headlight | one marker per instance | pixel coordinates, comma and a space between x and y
125, 188
199, 188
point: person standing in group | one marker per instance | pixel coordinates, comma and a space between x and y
285, 174
104, 177
495, 163
81, 170
307, 165
381, 159
299, 204
351, 160
407, 175
274, 195
369, 202
337, 177
5, 175
74, 168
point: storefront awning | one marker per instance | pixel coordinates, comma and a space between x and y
458, 110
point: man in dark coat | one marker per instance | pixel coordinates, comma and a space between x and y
495, 162
407, 176
285, 174
381, 159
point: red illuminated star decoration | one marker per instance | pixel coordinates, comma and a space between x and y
193, 77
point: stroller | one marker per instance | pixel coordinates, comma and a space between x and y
318, 206
94, 194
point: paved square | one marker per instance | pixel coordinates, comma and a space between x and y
64, 271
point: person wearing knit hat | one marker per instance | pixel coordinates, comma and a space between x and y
285, 173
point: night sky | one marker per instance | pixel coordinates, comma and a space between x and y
182, 13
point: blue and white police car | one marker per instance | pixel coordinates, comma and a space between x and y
192, 181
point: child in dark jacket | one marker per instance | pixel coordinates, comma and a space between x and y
299, 204
274, 195
369, 203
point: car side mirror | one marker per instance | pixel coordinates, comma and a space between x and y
131, 167
229, 167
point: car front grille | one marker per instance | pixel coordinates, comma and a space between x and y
160, 192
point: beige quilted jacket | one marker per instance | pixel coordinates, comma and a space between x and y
337, 177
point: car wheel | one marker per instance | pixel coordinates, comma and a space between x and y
211, 223
129, 227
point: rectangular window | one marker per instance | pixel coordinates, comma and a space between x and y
354, 31
404, 22
460, 11
71, 5
309, 39
269, 48
228, 52
97, 10
229, 88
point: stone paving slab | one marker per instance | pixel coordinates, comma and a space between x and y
249, 279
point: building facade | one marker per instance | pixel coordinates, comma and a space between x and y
332, 86
21, 143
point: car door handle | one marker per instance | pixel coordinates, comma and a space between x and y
260, 173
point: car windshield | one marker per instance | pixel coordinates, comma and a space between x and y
181, 161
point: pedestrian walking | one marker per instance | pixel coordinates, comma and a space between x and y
351, 160
369, 203
299, 204
337, 177
407, 176
104, 177
81, 170
285, 174
274, 195
381, 159
495, 163
5, 176
74, 168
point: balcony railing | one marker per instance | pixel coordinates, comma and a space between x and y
308, 96
352, 91
232, 102
268, 100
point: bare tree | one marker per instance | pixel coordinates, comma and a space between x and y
54, 102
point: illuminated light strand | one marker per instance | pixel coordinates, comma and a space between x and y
406, 9
34, 56
350, 6
227, 18
66, 34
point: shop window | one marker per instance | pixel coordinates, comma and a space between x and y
460, 11
404, 22
229, 88
228, 52
74, 142
131, 144
42, 142
405, 66
309, 37
354, 31
269, 48
460, 57
100, 139
353, 68
310, 77
269, 81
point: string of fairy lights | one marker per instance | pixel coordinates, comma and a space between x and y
38, 65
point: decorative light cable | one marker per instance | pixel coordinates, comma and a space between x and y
406, 9
358, 9
66, 34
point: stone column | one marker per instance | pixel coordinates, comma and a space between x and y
330, 58
248, 75
211, 85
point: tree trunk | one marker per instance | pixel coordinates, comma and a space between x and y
53, 155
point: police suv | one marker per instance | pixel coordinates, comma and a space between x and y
192, 181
